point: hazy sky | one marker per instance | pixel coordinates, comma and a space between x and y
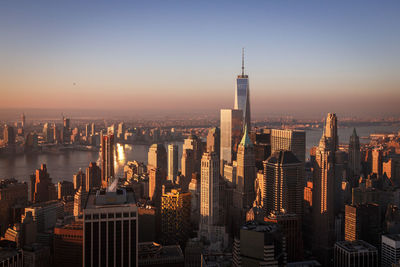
302, 57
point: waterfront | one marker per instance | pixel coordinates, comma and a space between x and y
63, 165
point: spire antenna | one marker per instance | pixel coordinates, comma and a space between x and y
242, 61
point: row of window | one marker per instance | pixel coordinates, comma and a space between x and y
97, 216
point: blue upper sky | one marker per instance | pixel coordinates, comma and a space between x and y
311, 56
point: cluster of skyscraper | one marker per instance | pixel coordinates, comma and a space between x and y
244, 195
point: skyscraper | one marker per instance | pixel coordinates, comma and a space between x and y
354, 159
209, 189
110, 229
107, 159
390, 250
246, 172
194, 143
93, 176
210, 227
79, 180
175, 217
284, 183
44, 189
324, 189
156, 181
213, 140
355, 254
8, 135
363, 222
331, 131
93, 129
242, 95
231, 133
157, 158
292, 140
187, 163
172, 162
23, 120
259, 244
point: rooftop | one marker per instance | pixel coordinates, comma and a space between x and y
101, 198
283, 157
260, 226
151, 251
356, 246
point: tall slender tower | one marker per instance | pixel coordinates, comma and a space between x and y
107, 160
172, 162
246, 172
209, 189
157, 159
231, 132
242, 95
324, 189
354, 159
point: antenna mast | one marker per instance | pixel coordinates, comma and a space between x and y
243, 61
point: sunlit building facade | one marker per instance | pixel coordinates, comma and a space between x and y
231, 133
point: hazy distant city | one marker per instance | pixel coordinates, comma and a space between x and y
145, 134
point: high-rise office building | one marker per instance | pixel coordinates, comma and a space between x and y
390, 253
175, 217
87, 130
107, 159
242, 96
324, 190
157, 158
209, 189
355, 254
187, 163
48, 133
259, 244
67, 122
377, 162
231, 133
44, 189
12, 193
363, 222
172, 162
8, 135
246, 172
68, 245
23, 120
284, 183
194, 143
292, 140
213, 140
210, 227
93, 129
110, 229
354, 159
290, 225
156, 180
331, 131
46, 214
79, 179
65, 188
93, 176
121, 130
80, 199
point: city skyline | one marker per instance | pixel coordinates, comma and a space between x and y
176, 57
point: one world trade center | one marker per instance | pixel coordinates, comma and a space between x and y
242, 96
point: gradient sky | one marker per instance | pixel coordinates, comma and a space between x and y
302, 57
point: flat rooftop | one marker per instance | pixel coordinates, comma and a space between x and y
102, 198
260, 227
152, 250
356, 246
